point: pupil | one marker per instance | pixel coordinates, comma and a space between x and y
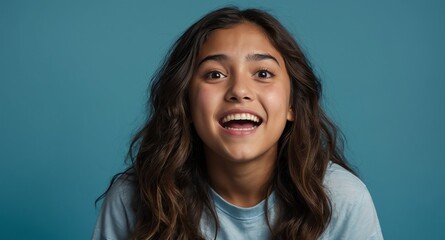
216, 75
263, 74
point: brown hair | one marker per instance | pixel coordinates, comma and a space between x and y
167, 157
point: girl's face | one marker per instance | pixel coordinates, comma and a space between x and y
240, 95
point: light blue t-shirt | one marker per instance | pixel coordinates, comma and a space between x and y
353, 213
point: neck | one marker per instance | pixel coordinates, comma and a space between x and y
243, 184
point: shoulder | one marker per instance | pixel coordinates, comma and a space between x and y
117, 217
122, 189
341, 184
353, 212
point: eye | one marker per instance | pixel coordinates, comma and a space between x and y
214, 75
264, 74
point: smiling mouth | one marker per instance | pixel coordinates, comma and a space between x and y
240, 122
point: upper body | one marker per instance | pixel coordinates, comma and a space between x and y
236, 108
353, 212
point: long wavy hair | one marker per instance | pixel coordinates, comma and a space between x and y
167, 163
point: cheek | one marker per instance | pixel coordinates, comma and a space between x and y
278, 98
202, 100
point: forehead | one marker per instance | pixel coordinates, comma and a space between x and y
240, 38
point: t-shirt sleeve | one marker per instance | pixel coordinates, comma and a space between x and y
353, 212
116, 217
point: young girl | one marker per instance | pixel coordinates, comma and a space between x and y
237, 145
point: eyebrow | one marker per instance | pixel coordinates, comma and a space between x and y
260, 57
216, 57
250, 57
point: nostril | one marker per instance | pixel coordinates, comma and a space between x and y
245, 98
238, 96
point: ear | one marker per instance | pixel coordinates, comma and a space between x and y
290, 114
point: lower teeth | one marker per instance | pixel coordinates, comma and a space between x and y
240, 129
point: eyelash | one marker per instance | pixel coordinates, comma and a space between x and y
269, 74
209, 75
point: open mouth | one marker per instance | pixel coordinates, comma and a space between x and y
240, 122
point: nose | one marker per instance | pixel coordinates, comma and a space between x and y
239, 90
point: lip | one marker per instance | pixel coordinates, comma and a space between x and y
235, 132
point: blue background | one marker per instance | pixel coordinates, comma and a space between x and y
74, 75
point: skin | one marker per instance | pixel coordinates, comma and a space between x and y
239, 71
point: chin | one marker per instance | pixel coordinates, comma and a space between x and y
242, 158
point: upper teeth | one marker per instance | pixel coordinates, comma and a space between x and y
240, 116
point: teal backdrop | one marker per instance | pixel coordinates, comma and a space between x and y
73, 89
